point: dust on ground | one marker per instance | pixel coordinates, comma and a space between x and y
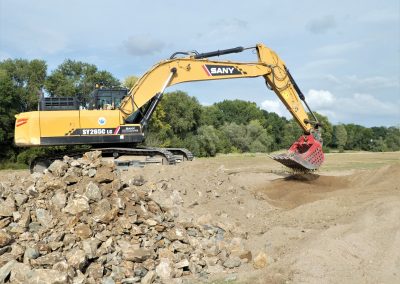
338, 225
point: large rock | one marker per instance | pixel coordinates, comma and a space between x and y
48, 276
44, 217
7, 207
5, 238
20, 273
25, 219
52, 184
148, 278
232, 262
48, 259
260, 261
103, 212
20, 198
104, 175
92, 156
177, 233
31, 253
58, 168
136, 255
83, 231
59, 199
6, 269
76, 258
95, 270
90, 247
182, 264
77, 206
70, 178
164, 269
93, 192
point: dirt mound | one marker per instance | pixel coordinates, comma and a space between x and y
298, 189
382, 176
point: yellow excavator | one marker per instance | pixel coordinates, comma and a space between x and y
114, 122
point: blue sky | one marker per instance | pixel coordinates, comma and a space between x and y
345, 55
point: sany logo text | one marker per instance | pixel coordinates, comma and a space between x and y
218, 70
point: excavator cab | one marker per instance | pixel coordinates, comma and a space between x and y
106, 98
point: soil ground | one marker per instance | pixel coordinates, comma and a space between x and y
338, 225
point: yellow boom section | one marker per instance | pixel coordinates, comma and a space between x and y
189, 69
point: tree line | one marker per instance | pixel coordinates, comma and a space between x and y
241, 126
179, 120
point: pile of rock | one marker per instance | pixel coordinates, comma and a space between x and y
79, 223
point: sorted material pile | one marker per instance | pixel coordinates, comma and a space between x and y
79, 223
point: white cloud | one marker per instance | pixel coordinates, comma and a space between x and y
276, 106
369, 105
332, 78
143, 45
352, 109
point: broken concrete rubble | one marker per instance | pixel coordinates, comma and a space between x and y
78, 222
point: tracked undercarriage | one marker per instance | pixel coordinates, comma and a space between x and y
123, 158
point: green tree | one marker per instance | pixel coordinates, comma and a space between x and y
182, 113
275, 126
237, 111
392, 139
130, 81
258, 138
339, 136
208, 141
73, 78
28, 78
8, 103
21, 83
367, 139
327, 129
160, 133
212, 115
291, 133
236, 135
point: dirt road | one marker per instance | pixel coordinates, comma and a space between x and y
340, 225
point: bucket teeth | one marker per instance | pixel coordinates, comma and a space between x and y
294, 162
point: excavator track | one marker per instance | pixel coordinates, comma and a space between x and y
123, 157
181, 154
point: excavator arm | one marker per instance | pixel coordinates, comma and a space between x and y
306, 153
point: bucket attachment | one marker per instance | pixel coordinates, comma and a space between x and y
305, 154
